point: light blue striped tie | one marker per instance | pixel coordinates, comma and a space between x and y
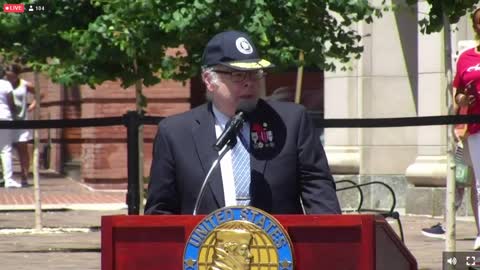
241, 172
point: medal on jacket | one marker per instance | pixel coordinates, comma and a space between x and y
261, 136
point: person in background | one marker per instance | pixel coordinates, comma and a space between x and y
462, 156
466, 89
438, 230
277, 164
21, 137
6, 109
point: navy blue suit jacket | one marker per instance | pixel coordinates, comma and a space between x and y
294, 167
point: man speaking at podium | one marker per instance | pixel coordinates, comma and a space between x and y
276, 162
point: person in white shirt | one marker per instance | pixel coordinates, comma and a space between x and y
21, 137
6, 109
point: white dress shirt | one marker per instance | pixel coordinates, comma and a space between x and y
226, 163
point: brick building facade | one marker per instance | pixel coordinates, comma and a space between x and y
97, 156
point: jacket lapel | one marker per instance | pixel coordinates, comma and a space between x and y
204, 138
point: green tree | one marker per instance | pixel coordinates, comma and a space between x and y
452, 9
36, 40
128, 40
36, 37
89, 42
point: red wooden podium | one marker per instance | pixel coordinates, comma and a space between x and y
319, 242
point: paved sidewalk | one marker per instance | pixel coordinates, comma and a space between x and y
71, 218
72, 215
58, 192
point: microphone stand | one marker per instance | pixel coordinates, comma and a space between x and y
229, 145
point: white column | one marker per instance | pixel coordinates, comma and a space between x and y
429, 168
382, 84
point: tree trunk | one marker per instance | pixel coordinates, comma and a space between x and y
450, 244
36, 142
298, 89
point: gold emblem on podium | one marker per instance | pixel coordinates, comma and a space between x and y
238, 238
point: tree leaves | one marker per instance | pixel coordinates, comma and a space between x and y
452, 9
97, 40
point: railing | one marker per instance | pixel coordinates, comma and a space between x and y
391, 213
132, 120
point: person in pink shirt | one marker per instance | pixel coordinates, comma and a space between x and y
466, 89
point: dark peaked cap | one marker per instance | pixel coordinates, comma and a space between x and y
235, 50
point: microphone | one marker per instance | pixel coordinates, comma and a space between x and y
230, 132
225, 142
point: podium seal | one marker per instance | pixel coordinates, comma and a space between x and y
238, 238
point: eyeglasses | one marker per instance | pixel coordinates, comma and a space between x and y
240, 76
